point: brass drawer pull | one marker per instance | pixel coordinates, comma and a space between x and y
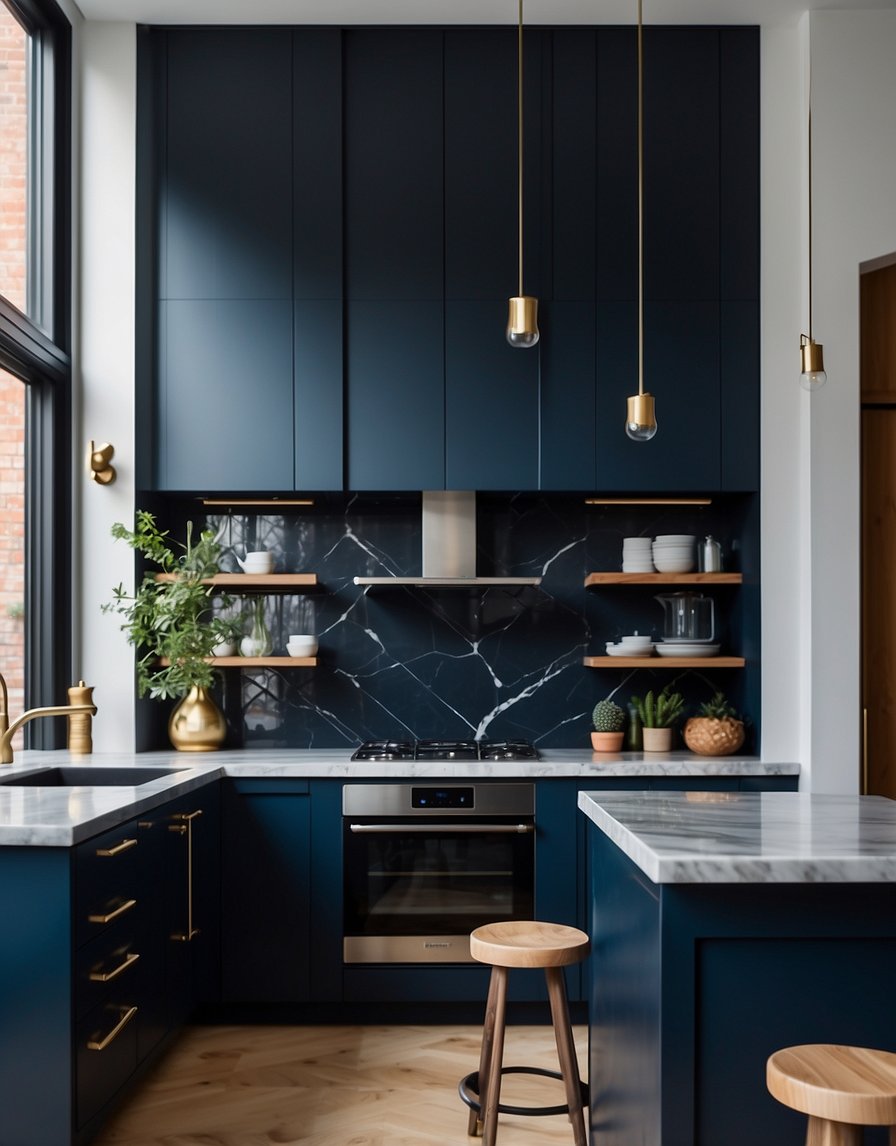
92, 1044
180, 829
108, 976
187, 816
124, 846
126, 906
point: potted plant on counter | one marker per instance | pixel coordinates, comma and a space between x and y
657, 715
608, 719
170, 623
717, 730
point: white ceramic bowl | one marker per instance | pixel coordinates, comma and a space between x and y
301, 645
678, 565
625, 651
675, 539
682, 649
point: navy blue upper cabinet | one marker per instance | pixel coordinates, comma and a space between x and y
334, 241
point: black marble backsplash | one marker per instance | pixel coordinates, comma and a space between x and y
405, 662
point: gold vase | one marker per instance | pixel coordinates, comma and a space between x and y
197, 724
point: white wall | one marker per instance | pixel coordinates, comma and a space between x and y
106, 365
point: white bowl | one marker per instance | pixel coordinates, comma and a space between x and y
301, 645
619, 651
682, 649
636, 543
675, 539
664, 565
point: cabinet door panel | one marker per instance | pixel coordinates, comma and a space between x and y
681, 370
739, 162
393, 163
739, 383
681, 163
481, 257
317, 163
225, 395
395, 395
228, 173
491, 405
575, 188
318, 394
265, 936
567, 395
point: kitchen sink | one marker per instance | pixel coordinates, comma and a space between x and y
86, 775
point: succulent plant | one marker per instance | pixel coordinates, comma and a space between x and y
659, 711
608, 717
718, 708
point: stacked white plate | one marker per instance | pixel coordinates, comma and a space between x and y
636, 555
674, 553
687, 649
633, 646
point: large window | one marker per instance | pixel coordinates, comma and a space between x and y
35, 370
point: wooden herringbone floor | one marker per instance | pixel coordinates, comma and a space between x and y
334, 1086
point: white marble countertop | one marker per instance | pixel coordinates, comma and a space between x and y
61, 816
750, 837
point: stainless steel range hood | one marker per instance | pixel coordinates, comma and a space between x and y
449, 546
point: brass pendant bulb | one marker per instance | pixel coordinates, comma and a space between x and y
522, 321
522, 316
640, 419
812, 373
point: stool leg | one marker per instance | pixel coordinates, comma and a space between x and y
490, 1097
822, 1132
477, 1117
566, 1050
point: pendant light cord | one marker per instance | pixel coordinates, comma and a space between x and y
809, 140
519, 133
640, 202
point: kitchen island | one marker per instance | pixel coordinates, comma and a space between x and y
726, 925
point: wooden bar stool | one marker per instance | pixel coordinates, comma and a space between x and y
524, 944
841, 1088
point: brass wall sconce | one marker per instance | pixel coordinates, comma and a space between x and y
99, 460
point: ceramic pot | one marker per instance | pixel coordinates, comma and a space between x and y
197, 724
657, 739
710, 736
607, 741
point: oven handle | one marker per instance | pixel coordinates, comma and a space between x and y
431, 828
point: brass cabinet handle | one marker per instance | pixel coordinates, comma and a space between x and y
108, 976
124, 846
126, 906
187, 816
95, 1045
185, 827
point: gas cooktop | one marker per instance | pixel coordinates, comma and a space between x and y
446, 750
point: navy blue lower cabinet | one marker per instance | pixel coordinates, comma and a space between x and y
265, 937
693, 986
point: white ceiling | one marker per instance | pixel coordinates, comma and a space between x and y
461, 11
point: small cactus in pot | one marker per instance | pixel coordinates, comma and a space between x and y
609, 720
658, 714
716, 730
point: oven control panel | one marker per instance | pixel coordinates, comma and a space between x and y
435, 799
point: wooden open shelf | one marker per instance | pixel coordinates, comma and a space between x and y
268, 582
256, 662
663, 662
663, 579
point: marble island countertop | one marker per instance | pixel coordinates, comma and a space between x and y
61, 816
750, 837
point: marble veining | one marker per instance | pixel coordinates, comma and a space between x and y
59, 817
446, 663
750, 837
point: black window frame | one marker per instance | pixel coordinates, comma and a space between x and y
38, 351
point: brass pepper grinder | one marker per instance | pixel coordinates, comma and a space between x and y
80, 741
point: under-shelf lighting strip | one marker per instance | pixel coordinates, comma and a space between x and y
648, 501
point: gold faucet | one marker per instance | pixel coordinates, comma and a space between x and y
8, 731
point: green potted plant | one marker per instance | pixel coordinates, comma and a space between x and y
716, 730
170, 623
658, 714
608, 720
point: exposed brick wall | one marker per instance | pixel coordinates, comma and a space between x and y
13, 203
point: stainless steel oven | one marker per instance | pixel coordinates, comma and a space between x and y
426, 863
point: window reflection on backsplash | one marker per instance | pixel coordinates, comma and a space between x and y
501, 662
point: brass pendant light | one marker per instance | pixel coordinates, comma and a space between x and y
812, 374
522, 316
640, 418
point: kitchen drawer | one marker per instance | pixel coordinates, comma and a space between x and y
108, 968
107, 880
106, 1056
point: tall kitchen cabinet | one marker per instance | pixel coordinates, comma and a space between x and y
323, 292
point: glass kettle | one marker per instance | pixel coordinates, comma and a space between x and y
688, 617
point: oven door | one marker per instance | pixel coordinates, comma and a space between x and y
416, 886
